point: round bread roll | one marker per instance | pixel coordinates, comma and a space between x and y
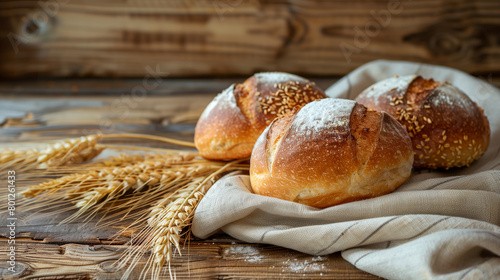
447, 128
332, 151
232, 122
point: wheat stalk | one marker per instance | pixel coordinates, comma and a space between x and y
117, 181
53, 185
166, 224
118, 161
101, 173
165, 228
175, 181
64, 152
97, 187
93, 190
70, 151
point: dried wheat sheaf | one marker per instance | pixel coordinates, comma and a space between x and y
172, 183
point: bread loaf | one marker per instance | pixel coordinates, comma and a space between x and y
232, 122
446, 127
332, 151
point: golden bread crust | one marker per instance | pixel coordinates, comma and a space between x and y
332, 151
447, 128
232, 122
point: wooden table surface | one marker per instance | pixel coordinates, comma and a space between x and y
52, 109
198, 37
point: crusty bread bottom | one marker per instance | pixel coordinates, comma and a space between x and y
323, 193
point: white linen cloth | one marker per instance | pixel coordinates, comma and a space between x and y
438, 225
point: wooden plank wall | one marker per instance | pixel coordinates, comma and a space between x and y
130, 38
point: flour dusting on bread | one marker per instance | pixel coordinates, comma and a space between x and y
271, 78
332, 114
224, 100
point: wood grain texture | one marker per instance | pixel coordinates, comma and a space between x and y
64, 38
54, 109
209, 259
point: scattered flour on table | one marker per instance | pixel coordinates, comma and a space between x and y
319, 259
250, 254
300, 266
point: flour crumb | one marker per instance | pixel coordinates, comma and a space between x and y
319, 259
249, 254
302, 266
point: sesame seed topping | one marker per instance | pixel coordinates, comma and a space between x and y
288, 96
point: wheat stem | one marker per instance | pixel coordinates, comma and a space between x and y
151, 137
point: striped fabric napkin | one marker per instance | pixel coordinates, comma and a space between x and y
438, 225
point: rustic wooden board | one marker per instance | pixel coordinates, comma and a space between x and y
208, 259
41, 110
238, 37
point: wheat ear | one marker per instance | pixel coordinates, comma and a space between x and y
70, 151
54, 185
118, 181
60, 153
91, 175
